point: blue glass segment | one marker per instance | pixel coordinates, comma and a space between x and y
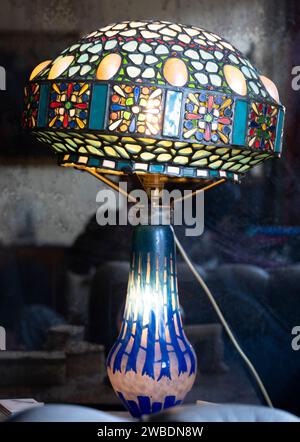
240, 122
43, 105
157, 168
279, 131
172, 114
98, 106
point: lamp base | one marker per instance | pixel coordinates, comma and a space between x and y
152, 365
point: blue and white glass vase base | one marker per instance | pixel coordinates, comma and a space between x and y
152, 365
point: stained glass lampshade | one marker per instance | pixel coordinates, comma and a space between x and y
162, 99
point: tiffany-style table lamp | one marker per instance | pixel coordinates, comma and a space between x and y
166, 102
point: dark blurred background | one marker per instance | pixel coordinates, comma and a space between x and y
63, 279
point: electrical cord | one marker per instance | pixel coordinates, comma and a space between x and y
223, 321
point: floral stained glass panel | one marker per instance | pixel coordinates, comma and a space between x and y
31, 105
208, 117
69, 104
262, 126
136, 109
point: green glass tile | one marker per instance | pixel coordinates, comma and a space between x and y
124, 165
94, 162
126, 115
244, 168
235, 167
82, 150
129, 102
216, 164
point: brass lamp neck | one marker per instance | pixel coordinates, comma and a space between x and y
153, 183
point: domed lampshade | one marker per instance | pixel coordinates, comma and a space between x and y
156, 98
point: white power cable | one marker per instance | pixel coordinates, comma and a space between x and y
223, 321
